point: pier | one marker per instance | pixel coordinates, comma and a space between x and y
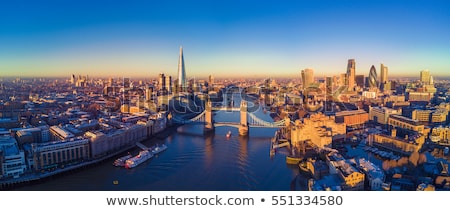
140, 145
278, 141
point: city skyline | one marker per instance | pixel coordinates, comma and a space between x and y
233, 38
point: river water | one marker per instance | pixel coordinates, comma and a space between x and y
193, 161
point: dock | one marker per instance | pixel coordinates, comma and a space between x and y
140, 145
280, 144
278, 141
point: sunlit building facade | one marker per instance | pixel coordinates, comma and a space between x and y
373, 83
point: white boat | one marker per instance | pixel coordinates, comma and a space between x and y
158, 149
229, 134
138, 159
121, 161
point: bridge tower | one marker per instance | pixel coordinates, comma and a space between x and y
209, 123
243, 128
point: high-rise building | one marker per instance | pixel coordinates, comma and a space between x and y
162, 81
182, 83
110, 82
425, 77
351, 66
329, 85
211, 80
335, 80
126, 83
343, 79
329, 94
359, 80
307, 77
72, 79
384, 74
169, 84
373, 83
148, 93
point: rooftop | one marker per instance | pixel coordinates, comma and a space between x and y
405, 119
353, 112
8, 145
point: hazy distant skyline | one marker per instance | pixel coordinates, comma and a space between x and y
225, 39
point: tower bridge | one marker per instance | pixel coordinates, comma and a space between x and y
247, 119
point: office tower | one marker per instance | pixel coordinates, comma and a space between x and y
425, 77
335, 80
329, 85
110, 82
343, 79
351, 66
384, 74
126, 83
169, 84
72, 79
307, 77
211, 80
148, 93
359, 80
373, 77
181, 72
162, 81
329, 93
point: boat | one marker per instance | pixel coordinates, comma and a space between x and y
304, 167
293, 160
138, 159
158, 149
121, 161
228, 134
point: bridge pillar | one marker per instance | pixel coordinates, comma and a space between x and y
243, 128
209, 122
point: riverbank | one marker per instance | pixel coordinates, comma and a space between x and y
34, 178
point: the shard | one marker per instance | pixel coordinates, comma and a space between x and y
181, 72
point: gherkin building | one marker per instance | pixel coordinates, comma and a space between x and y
373, 77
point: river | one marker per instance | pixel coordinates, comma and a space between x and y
193, 161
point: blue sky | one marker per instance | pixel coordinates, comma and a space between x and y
222, 38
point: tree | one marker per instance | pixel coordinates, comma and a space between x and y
422, 158
385, 165
414, 158
402, 162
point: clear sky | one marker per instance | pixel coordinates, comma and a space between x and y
229, 38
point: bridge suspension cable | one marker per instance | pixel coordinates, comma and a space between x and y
255, 121
199, 118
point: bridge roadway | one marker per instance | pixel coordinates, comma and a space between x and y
237, 124
225, 108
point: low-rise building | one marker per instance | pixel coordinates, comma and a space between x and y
105, 142
439, 116
58, 133
56, 154
402, 123
430, 116
318, 129
352, 118
407, 145
421, 115
419, 96
12, 160
374, 174
440, 135
380, 115
352, 178
317, 168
